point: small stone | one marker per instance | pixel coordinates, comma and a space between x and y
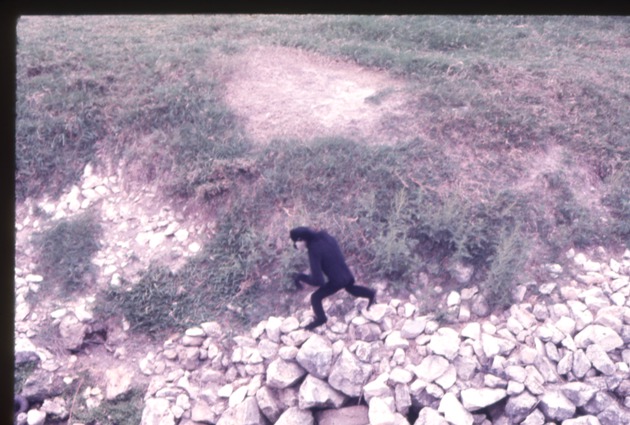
600, 360
22, 310
461, 272
413, 328
431, 367
556, 406
237, 397
394, 340
429, 416
35, 417
445, 343
283, 374
603, 336
181, 235
453, 410
34, 278
453, 299
479, 398
581, 364
157, 239
55, 408
554, 268
591, 266
195, 332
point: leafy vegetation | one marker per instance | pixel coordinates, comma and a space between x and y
524, 150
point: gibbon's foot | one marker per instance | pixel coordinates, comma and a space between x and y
316, 323
372, 301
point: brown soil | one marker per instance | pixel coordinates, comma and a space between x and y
287, 93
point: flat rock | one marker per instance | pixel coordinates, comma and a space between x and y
282, 373
353, 415
477, 398
603, 336
556, 406
296, 416
316, 393
431, 367
578, 393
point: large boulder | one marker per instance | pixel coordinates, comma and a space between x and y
316, 356
282, 373
315, 392
269, 404
348, 374
556, 406
518, 407
245, 413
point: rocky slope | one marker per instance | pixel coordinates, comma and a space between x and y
560, 355
561, 359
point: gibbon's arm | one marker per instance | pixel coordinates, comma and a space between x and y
317, 276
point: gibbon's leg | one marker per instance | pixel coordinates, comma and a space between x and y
362, 292
318, 309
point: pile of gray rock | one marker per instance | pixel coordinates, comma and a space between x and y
559, 355
561, 359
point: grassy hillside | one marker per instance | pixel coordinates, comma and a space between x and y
524, 152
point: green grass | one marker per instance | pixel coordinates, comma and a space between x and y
123, 411
497, 97
64, 253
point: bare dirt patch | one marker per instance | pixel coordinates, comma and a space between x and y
287, 93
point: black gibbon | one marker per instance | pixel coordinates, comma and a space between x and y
326, 259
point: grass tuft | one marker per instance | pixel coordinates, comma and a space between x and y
65, 251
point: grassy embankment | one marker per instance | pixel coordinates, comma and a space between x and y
495, 96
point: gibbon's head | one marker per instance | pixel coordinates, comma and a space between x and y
301, 236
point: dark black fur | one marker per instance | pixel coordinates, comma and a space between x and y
20, 404
326, 260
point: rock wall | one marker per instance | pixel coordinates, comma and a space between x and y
558, 356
